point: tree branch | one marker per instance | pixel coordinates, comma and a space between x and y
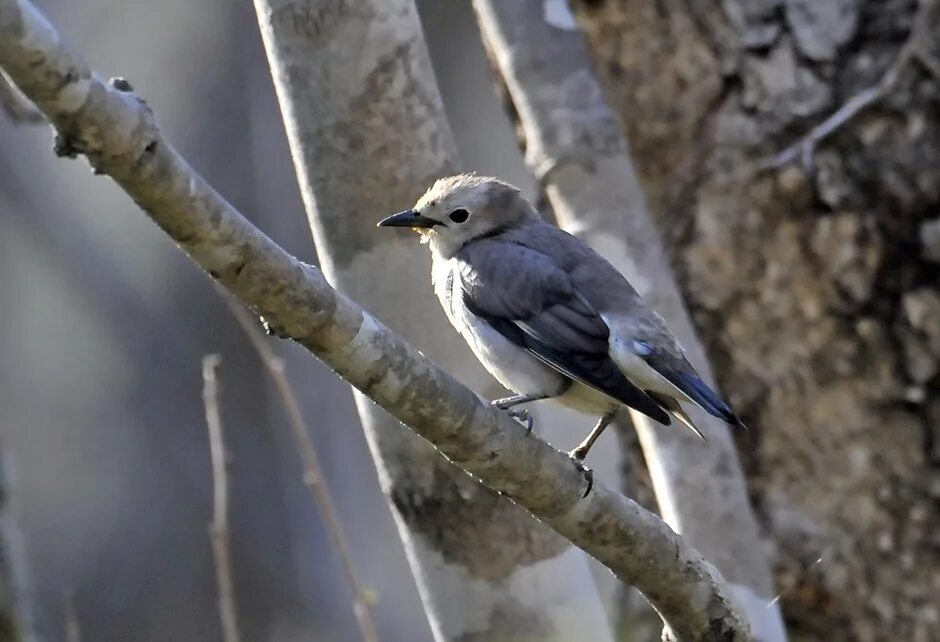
313, 478
118, 134
15, 105
218, 529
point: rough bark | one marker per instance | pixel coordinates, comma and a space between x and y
575, 143
369, 145
117, 132
815, 289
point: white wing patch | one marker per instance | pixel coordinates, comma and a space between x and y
628, 353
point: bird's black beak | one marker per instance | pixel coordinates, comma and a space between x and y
408, 218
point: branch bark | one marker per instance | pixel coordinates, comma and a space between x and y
576, 146
118, 134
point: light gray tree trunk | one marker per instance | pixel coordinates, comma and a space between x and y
576, 145
368, 135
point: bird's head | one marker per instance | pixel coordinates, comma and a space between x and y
459, 209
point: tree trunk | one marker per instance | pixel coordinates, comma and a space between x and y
368, 135
814, 285
576, 146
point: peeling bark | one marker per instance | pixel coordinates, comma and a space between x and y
117, 132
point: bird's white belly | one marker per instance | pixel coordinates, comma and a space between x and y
587, 400
511, 365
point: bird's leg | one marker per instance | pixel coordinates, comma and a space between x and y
508, 402
522, 416
581, 451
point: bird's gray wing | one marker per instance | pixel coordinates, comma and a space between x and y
532, 302
676, 369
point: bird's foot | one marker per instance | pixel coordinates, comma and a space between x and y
524, 417
579, 453
577, 456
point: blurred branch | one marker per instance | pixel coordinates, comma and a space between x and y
73, 629
119, 135
17, 621
15, 104
218, 529
313, 477
915, 49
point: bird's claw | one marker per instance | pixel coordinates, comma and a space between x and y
524, 417
578, 458
273, 329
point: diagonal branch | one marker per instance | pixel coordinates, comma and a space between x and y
118, 134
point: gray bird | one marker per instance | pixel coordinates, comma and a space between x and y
545, 314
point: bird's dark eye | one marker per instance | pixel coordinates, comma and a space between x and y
459, 216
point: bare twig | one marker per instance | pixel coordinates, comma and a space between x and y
118, 134
916, 48
73, 629
16, 105
313, 477
17, 600
218, 529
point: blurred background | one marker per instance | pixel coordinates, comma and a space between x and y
814, 289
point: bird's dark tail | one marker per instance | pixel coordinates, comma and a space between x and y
700, 393
711, 402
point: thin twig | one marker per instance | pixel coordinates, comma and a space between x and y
16, 105
73, 629
916, 48
17, 593
313, 478
218, 529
